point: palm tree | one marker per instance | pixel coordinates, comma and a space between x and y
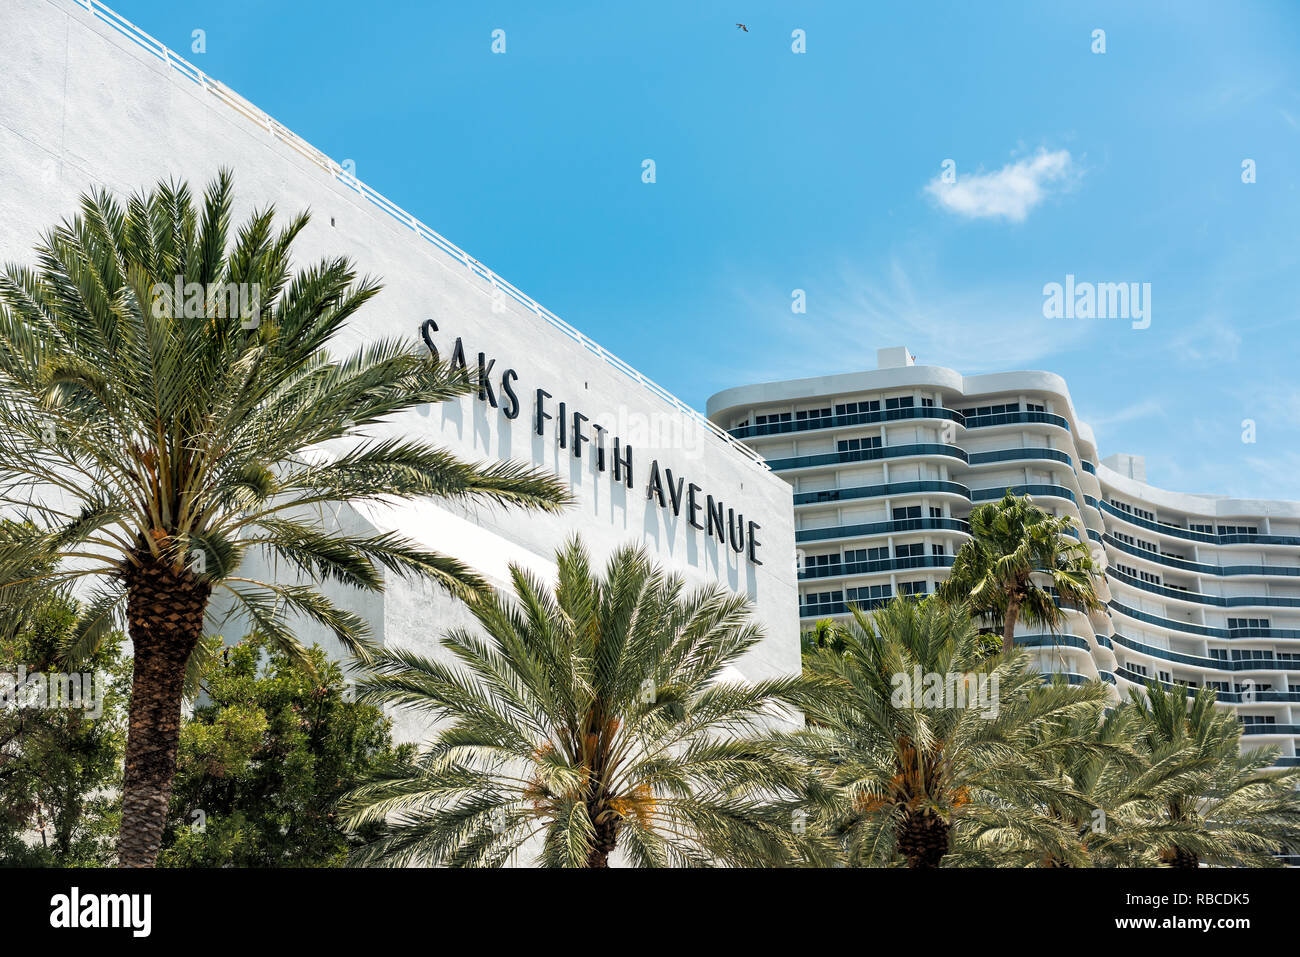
597, 715
825, 633
1014, 546
156, 440
1236, 814
901, 764
1105, 810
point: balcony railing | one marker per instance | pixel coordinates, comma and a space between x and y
880, 491
1200, 568
1218, 601
1192, 628
865, 455
1015, 455
845, 420
827, 608
872, 566
1230, 697
882, 528
992, 494
1017, 418
1213, 664
1052, 641
1270, 729
1207, 537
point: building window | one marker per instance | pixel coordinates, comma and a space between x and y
869, 592
813, 414
859, 444
855, 408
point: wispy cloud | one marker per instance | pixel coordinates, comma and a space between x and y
1212, 338
1009, 193
1138, 410
981, 328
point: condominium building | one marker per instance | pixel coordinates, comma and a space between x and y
886, 466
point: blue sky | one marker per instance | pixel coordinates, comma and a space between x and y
778, 171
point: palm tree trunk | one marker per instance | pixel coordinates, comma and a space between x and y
165, 612
606, 825
1009, 628
1177, 857
923, 838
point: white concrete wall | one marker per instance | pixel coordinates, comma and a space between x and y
82, 106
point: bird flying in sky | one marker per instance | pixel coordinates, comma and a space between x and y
741, 26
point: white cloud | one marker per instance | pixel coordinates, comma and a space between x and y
1139, 410
1211, 339
989, 327
1010, 193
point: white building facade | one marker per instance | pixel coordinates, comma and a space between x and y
88, 101
886, 466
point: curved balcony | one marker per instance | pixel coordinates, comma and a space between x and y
1192, 628
1218, 601
845, 421
865, 455
1270, 729
993, 494
1228, 697
1052, 641
1070, 677
1017, 418
1191, 536
1016, 455
880, 491
882, 528
1088, 466
1199, 568
874, 566
828, 608
1210, 664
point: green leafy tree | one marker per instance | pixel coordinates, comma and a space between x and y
592, 716
1236, 813
264, 760
154, 441
1019, 562
899, 764
59, 766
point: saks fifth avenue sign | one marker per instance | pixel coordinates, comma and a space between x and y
573, 430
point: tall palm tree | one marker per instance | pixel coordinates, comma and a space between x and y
900, 763
1237, 814
1019, 562
154, 441
596, 715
